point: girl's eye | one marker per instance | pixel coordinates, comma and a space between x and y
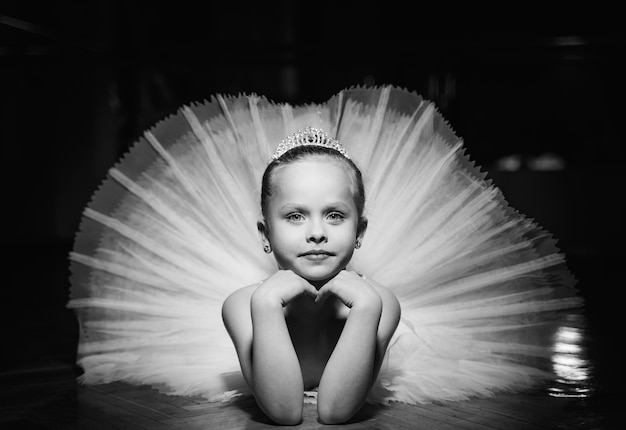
335, 217
295, 217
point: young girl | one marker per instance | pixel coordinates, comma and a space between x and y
169, 240
313, 322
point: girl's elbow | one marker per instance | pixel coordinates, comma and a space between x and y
285, 418
334, 414
286, 415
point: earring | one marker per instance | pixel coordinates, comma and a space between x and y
267, 249
357, 244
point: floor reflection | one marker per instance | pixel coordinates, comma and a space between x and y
570, 360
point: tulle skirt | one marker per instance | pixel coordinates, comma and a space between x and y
172, 232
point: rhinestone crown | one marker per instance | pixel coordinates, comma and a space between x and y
308, 136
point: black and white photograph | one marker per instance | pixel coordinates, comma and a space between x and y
361, 215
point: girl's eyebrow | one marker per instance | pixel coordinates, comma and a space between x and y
292, 206
298, 206
338, 204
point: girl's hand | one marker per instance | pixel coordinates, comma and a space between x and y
351, 289
282, 287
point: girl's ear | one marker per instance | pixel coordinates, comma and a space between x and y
263, 234
360, 229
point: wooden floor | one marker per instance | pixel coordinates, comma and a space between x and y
50, 398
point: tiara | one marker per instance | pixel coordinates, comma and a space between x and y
309, 137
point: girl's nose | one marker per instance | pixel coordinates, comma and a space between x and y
316, 232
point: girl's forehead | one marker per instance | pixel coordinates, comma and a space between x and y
325, 169
316, 179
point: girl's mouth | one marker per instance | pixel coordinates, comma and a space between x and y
316, 255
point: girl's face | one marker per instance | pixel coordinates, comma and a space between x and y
312, 220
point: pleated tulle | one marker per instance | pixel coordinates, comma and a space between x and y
172, 232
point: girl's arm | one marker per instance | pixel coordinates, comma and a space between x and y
276, 374
356, 360
256, 323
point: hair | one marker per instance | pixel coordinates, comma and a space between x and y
308, 152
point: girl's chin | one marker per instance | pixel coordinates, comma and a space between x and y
316, 276
316, 280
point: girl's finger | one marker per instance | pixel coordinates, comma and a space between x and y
322, 294
310, 290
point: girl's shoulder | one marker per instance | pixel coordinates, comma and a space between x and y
239, 298
392, 310
384, 291
390, 301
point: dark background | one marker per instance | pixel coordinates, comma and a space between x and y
80, 81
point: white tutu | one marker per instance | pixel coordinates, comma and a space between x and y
172, 232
